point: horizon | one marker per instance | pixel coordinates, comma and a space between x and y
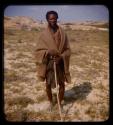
66, 13
62, 21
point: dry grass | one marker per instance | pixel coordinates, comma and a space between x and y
86, 98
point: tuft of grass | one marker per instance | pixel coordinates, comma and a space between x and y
22, 100
10, 76
41, 98
18, 115
19, 65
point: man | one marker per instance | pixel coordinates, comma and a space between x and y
53, 45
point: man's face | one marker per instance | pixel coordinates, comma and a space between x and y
52, 20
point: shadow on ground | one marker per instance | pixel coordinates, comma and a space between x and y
77, 92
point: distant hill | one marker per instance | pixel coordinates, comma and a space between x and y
20, 22
24, 22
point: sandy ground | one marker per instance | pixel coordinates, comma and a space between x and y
86, 97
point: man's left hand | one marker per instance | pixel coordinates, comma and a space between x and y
57, 59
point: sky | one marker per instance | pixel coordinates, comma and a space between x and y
66, 13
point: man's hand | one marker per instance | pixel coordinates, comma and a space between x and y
57, 59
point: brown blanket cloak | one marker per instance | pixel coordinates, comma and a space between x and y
45, 43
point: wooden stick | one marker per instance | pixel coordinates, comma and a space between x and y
57, 91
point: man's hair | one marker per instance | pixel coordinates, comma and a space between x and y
51, 12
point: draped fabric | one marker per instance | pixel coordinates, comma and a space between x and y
59, 42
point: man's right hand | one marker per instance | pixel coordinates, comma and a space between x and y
53, 52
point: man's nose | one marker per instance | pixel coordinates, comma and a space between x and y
53, 21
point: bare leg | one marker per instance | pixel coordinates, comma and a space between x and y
49, 92
61, 91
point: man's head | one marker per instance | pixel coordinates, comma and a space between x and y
52, 17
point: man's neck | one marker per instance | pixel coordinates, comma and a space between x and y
53, 29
